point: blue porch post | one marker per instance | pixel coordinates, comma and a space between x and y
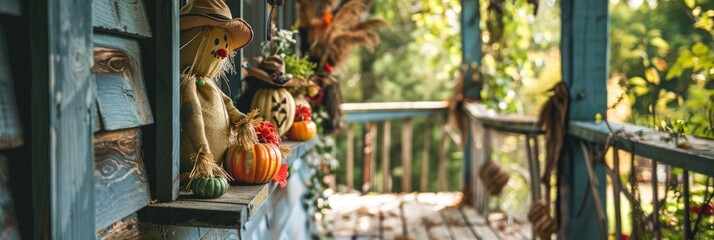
584, 51
471, 57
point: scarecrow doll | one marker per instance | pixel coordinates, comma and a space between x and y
209, 121
266, 90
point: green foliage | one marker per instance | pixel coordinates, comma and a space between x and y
521, 58
283, 44
298, 67
417, 58
663, 49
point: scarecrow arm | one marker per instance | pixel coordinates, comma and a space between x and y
242, 131
233, 113
191, 117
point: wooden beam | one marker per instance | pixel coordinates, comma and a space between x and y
161, 58
63, 176
584, 53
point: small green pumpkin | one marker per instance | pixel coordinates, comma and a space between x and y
204, 187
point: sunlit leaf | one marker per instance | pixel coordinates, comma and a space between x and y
700, 49
638, 81
639, 90
690, 3
659, 63
652, 76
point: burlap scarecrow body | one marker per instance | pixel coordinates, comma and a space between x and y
209, 121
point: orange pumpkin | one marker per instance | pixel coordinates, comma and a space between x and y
257, 165
302, 130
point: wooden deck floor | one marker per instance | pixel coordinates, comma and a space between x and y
414, 216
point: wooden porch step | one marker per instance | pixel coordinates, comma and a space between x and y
413, 216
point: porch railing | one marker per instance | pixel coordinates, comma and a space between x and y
644, 145
376, 122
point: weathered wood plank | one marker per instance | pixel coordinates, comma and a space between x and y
11, 7
700, 158
368, 221
436, 226
122, 185
220, 234
386, 149
472, 217
10, 129
63, 177
411, 210
392, 226
485, 232
160, 56
121, 16
121, 91
199, 214
8, 223
125, 228
458, 227
407, 155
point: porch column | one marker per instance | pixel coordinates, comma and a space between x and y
584, 52
471, 58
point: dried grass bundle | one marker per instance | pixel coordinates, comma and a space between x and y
349, 29
553, 117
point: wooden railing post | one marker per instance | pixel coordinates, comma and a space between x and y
443, 147
386, 147
368, 164
407, 155
425, 158
350, 158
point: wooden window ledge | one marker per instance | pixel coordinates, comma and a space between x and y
232, 210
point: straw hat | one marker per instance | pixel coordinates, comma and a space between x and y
272, 71
198, 13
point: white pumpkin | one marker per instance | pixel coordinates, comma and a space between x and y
277, 106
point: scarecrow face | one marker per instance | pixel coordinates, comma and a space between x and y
204, 50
